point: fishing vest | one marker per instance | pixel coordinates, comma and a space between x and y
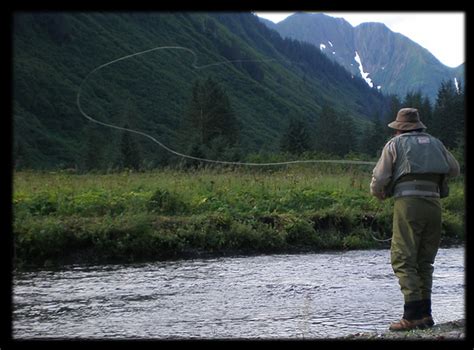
421, 154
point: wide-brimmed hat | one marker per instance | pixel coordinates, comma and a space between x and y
407, 119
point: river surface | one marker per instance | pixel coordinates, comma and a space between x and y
302, 296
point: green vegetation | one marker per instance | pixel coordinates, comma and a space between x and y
272, 95
65, 218
54, 52
228, 111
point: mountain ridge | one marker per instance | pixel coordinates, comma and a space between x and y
393, 61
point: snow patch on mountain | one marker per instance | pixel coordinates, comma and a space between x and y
322, 46
364, 75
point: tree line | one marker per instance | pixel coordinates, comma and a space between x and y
211, 129
337, 135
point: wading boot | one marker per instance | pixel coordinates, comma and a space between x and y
406, 325
412, 318
426, 313
428, 321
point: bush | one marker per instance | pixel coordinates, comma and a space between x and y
452, 228
40, 240
165, 202
455, 201
360, 239
42, 203
330, 239
93, 203
300, 232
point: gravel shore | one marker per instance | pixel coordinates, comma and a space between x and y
453, 330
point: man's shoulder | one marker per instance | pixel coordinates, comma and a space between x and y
433, 138
392, 141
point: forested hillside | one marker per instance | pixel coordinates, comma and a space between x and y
160, 93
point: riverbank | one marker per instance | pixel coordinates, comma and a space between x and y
63, 218
454, 330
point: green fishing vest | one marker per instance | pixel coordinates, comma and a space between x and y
418, 153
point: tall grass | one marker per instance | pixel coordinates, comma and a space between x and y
167, 214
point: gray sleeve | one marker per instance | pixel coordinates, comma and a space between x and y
383, 171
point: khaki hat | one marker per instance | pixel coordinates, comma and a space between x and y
407, 119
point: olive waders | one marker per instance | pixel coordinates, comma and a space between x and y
413, 168
415, 242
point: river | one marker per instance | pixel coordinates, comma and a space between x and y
301, 296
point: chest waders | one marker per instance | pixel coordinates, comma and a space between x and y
418, 177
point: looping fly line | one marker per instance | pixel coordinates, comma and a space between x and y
195, 66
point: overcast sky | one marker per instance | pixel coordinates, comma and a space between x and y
442, 33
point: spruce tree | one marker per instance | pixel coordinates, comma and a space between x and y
347, 139
92, 154
130, 154
426, 112
210, 118
326, 130
334, 133
395, 106
373, 138
297, 138
413, 100
422, 103
448, 114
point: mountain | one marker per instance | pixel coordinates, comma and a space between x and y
388, 61
268, 23
268, 80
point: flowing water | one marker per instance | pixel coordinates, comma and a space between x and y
302, 296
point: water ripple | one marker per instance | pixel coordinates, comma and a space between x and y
265, 297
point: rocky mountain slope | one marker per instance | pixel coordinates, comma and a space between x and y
386, 60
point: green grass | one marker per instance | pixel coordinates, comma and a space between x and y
63, 217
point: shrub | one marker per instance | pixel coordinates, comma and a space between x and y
455, 201
452, 227
359, 239
93, 203
300, 232
163, 201
42, 203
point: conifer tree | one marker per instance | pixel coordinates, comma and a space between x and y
413, 100
395, 106
420, 102
373, 138
210, 117
334, 133
130, 154
92, 155
347, 139
297, 138
426, 111
448, 114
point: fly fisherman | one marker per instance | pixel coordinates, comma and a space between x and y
413, 168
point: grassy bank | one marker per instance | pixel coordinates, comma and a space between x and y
61, 217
